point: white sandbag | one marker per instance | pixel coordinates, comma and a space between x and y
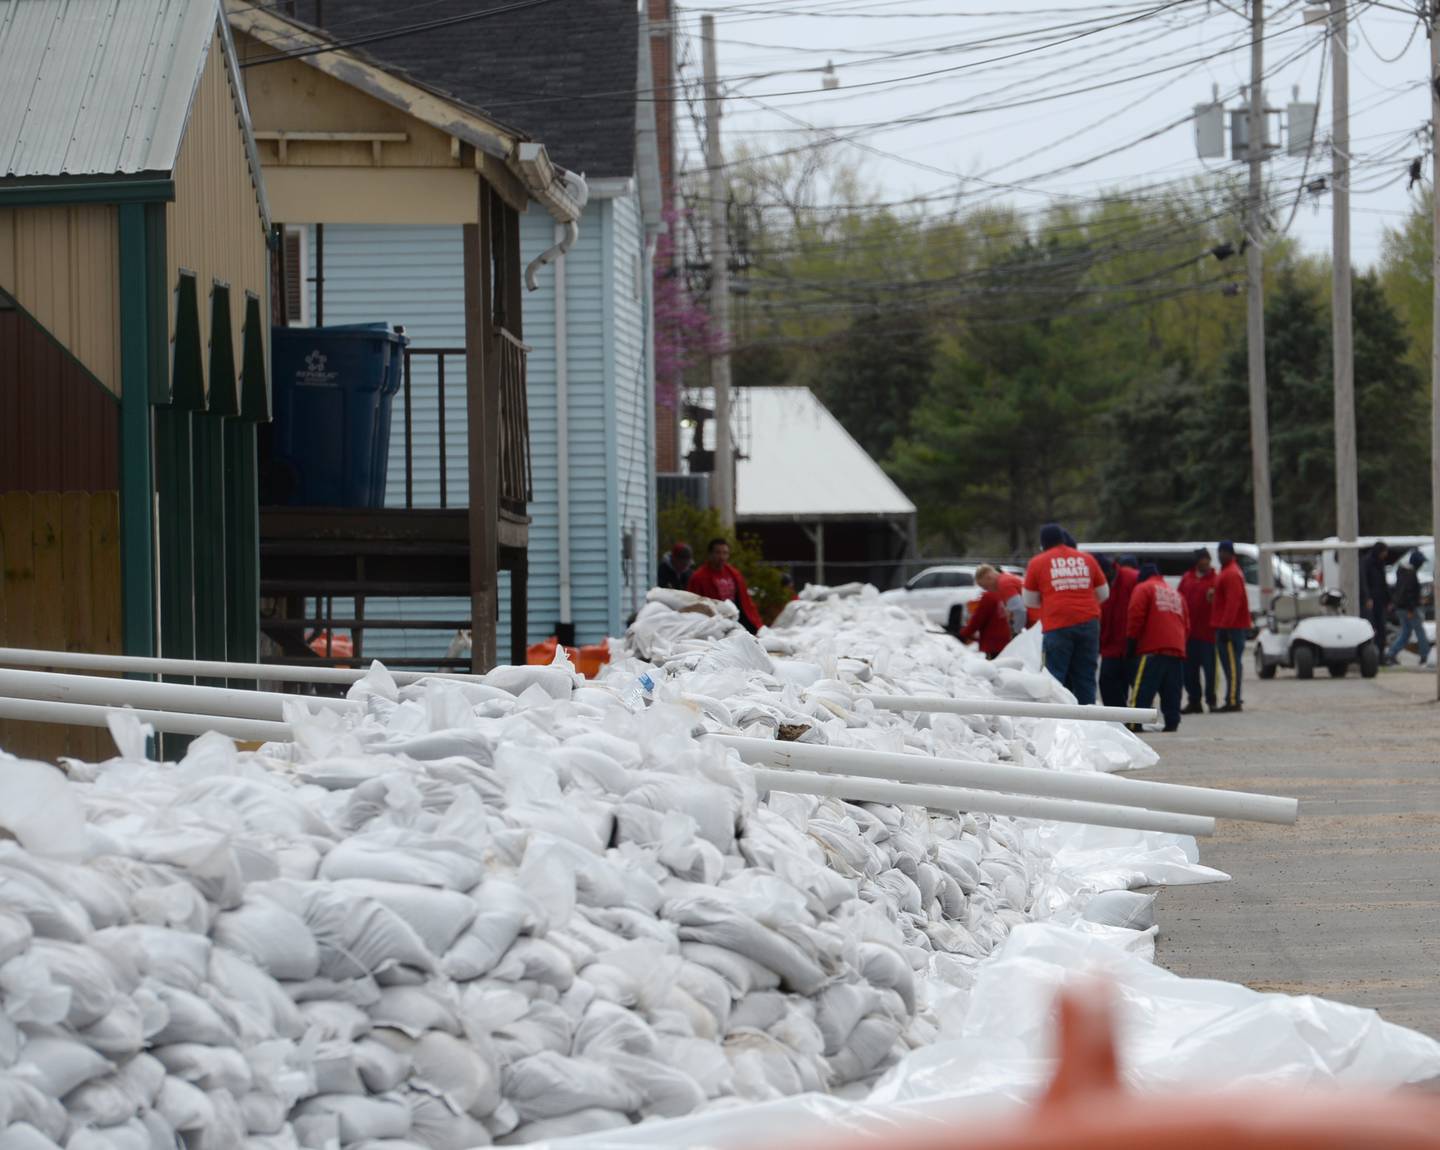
272, 937
359, 1117
1134, 910
356, 936
549, 1085
129, 1135
23, 1136
438, 916
191, 1019
414, 1010
15, 934
742, 972
456, 1071
396, 855
589, 1121
208, 1067
438, 1125
381, 1068
50, 914
332, 1021
104, 898
557, 682
57, 1064
115, 1098
39, 808
713, 807
185, 1107
264, 1113
712, 920
262, 1008
335, 1071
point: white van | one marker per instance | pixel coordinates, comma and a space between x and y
1174, 559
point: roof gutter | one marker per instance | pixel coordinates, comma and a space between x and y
564, 195
147, 188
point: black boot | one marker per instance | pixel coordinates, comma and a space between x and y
1193, 709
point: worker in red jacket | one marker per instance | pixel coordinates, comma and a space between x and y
999, 614
1230, 616
717, 579
1156, 630
1197, 588
1068, 587
1116, 669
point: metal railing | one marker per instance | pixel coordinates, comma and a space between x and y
516, 486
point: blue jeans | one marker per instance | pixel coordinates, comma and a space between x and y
1072, 655
1411, 623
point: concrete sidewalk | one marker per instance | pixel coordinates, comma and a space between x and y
1346, 903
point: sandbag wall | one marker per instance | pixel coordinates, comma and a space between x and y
507, 911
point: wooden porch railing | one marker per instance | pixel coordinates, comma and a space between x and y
515, 477
516, 486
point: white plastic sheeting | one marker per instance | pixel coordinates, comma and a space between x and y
998, 1050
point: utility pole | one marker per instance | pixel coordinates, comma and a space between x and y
1347, 499
722, 495
1255, 296
1435, 289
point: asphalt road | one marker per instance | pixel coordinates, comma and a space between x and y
1346, 903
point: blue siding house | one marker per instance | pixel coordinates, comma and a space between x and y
573, 83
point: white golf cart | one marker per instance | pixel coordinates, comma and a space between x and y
1308, 627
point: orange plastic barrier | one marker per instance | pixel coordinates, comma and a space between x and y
1086, 1107
588, 660
340, 647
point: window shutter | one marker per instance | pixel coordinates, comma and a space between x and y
294, 277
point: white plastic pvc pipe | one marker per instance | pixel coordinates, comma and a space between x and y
171, 722
104, 692
1095, 788
981, 802
140, 665
1016, 707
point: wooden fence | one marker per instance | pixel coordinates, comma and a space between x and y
59, 590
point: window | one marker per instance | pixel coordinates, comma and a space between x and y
955, 579
925, 581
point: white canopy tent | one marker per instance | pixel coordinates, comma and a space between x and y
796, 464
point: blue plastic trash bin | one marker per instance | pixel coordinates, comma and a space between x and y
333, 388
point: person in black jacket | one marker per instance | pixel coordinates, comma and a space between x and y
1375, 589
1407, 604
676, 567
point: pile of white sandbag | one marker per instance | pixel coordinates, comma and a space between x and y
504, 911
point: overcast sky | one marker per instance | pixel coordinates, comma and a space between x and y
1187, 48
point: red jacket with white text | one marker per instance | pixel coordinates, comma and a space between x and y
1158, 620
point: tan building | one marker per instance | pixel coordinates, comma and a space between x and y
133, 337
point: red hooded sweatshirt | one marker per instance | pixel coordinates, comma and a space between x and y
1158, 621
1195, 590
1230, 609
727, 584
1115, 611
989, 620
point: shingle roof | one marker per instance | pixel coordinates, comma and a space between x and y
98, 89
562, 71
